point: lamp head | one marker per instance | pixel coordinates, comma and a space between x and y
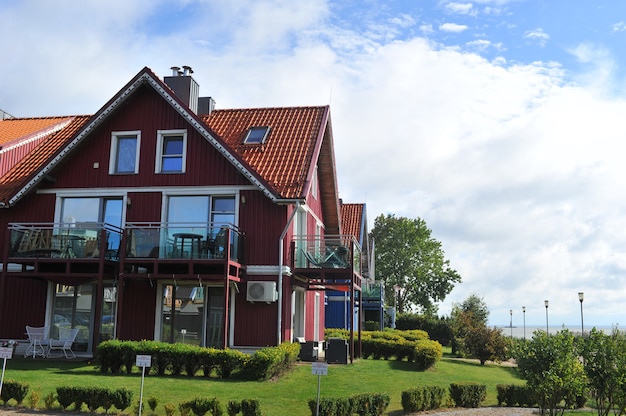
545, 302
581, 296
524, 309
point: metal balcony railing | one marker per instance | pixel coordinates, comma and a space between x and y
64, 240
330, 251
183, 241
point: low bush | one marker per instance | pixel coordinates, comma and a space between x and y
468, 394
94, 398
512, 395
423, 398
14, 390
201, 406
373, 404
174, 359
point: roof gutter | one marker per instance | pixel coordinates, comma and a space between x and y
281, 249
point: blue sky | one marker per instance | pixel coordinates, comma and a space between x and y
500, 123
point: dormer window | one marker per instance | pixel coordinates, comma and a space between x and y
256, 135
171, 151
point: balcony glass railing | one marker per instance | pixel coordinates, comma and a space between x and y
183, 241
330, 251
75, 240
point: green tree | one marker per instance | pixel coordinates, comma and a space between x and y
485, 344
472, 313
604, 358
551, 367
409, 258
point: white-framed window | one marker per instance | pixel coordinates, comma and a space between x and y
171, 155
124, 158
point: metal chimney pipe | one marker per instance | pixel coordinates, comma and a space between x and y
175, 71
187, 70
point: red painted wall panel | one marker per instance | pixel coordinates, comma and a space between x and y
255, 323
15, 316
139, 303
147, 112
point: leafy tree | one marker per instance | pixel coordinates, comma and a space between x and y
472, 313
552, 370
408, 257
604, 358
485, 344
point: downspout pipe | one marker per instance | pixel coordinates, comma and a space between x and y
281, 250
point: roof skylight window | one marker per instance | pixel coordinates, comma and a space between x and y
256, 135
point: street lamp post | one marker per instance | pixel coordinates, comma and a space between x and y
511, 322
524, 313
581, 297
546, 303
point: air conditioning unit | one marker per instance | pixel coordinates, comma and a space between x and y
261, 292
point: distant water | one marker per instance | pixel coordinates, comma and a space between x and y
518, 331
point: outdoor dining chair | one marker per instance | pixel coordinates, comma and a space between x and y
38, 341
67, 336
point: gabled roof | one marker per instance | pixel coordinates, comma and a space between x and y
353, 220
284, 158
281, 167
16, 130
12, 184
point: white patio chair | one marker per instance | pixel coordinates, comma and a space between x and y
67, 336
38, 338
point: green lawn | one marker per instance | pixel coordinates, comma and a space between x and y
292, 391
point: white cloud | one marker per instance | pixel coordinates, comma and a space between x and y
452, 27
517, 170
537, 35
460, 8
619, 27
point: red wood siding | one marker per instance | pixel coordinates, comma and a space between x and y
147, 112
25, 306
255, 323
262, 221
139, 303
144, 206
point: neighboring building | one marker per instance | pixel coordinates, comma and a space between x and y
339, 313
162, 218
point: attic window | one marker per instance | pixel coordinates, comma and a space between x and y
256, 135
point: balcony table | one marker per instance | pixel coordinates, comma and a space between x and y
192, 240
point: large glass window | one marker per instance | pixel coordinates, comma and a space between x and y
171, 151
85, 210
193, 314
124, 152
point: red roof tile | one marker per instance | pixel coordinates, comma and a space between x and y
13, 130
352, 219
26, 169
284, 159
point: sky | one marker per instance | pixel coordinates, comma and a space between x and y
501, 123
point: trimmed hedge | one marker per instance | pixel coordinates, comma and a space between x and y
94, 398
175, 359
515, 395
373, 404
413, 345
423, 398
13, 390
468, 394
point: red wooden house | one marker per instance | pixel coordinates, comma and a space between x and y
160, 217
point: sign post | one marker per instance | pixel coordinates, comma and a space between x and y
5, 354
319, 369
142, 361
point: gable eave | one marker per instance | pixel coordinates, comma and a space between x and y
146, 76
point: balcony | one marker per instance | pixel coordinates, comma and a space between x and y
183, 241
64, 241
330, 252
327, 262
